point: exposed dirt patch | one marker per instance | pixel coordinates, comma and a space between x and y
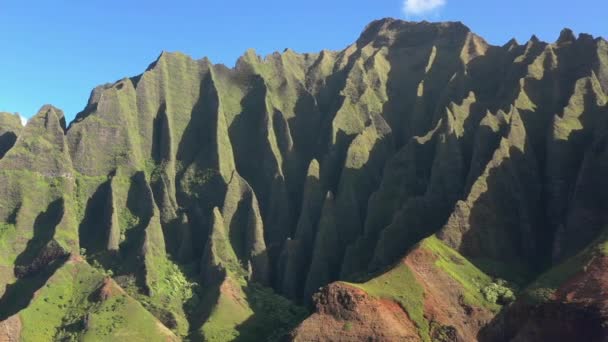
10, 329
589, 287
108, 290
75, 259
233, 291
345, 313
577, 312
443, 299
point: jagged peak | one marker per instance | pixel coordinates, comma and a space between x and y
48, 111
156, 61
166, 56
531, 45
393, 23
511, 44
91, 106
474, 46
585, 37
247, 59
14, 117
566, 36
386, 31
172, 54
534, 39
251, 53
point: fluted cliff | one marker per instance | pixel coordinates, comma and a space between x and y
428, 169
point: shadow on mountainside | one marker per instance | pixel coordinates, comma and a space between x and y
273, 316
37, 263
7, 140
93, 229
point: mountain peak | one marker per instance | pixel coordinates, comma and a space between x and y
50, 110
511, 43
389, 30
566, 36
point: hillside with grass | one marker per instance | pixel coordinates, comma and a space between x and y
420, 184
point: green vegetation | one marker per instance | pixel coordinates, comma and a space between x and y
498, 293
257, 313
174, 295
69, 307
542, 289
126, 220
185, 185
400, 285
228, 313
545, 286
122, 318
5, 228
460, 269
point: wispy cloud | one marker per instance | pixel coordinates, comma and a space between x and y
23, 120
420, 7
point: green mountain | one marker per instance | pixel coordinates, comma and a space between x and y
420, 184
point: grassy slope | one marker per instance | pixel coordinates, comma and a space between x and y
472, 279
260, 315
249, 312
61, 307
400, 285
542, 289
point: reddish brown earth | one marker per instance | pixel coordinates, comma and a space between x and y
109, 289
589, 287
10, 329
345, 313
577, 312
443, 298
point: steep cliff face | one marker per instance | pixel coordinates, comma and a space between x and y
206, 190
10, 127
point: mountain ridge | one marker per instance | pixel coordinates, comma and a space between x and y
200, 188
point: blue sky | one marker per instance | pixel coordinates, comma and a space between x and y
57, 51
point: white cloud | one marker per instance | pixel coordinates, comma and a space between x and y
23, 120
419, 7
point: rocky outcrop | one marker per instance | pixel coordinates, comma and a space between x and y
425, 297
345, 313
